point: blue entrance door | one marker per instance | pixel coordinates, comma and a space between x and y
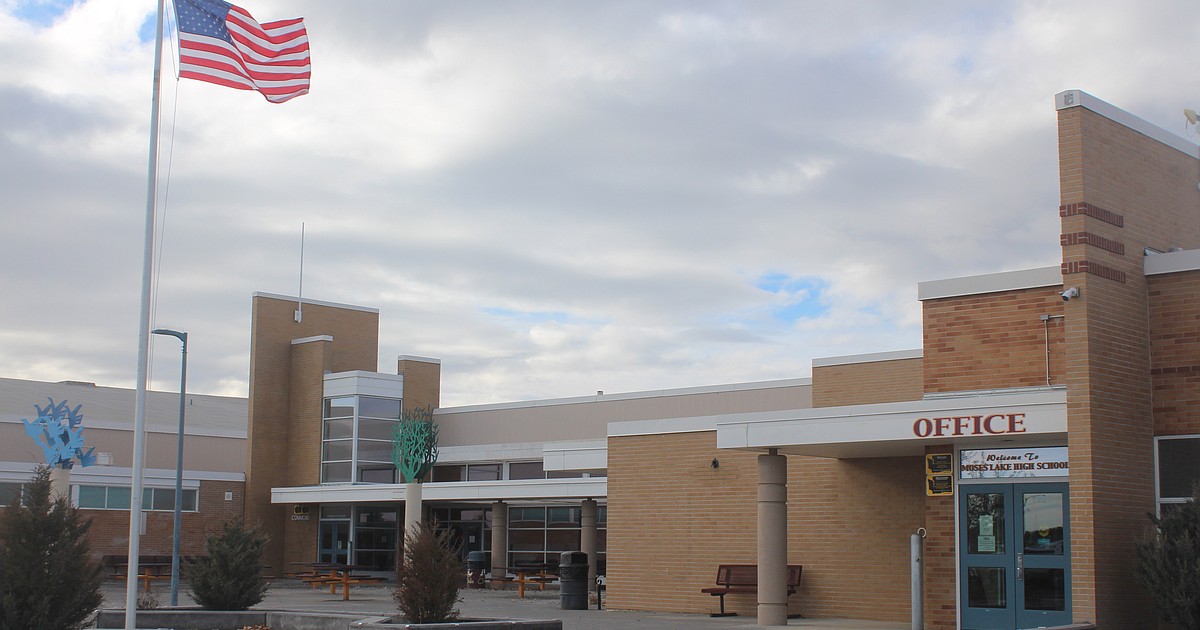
334, 542
1014, 548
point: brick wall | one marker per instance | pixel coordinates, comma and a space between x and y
992, 340
941, 560
1175, 352
109, 533
672, 519
1126, 191
867, 382
422, 383
283, 444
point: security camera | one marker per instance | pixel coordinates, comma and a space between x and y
1073, 292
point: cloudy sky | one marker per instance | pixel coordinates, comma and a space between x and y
558, 197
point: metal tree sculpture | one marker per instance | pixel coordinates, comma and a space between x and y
58, 430
414, 444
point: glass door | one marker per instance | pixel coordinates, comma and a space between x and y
1014, 547
333, 542
1043, 560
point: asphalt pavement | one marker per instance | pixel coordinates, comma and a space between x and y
488, 603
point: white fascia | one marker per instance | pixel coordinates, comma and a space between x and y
463, 491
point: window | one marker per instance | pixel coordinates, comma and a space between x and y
153, 499
526, 470
356, 439
453, 472
1178, 460
539, 534
483, 472
8, 492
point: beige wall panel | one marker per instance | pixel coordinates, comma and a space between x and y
589, 419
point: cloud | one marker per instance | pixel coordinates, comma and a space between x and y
552, 198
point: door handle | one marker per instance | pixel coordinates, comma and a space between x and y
1020, 567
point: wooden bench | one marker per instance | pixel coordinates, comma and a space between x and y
743, 578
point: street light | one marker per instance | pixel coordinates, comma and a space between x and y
181, 336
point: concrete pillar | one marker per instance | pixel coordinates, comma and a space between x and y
499, 536
588, 538
772, 539
412, 509
60, 482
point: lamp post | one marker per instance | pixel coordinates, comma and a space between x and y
181, 336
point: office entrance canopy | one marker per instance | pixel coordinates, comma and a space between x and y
1010, 418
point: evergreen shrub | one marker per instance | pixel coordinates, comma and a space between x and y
230, 576
1168, 562
48, 578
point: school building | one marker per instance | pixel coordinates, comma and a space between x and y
1046, 413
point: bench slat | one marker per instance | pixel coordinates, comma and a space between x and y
743, 578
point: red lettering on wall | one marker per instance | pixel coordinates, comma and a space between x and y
991, 424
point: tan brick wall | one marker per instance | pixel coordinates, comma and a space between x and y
1175, 352
865, 383
301, 537
1131, 191
285, 399
672, 519
992, 340
941, 561
422, 383
109, 533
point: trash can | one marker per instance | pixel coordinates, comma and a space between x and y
573, 580
476, 565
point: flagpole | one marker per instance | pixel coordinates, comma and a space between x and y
139, 407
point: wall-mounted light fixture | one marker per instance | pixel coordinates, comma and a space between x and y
715, 463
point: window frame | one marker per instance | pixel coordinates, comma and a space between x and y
1159, 499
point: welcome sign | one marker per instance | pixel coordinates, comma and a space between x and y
1009, 463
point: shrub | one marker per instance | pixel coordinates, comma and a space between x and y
47, 576
428, 576
147, 601
1168, 563
230, 576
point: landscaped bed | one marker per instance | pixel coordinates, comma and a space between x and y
284, 620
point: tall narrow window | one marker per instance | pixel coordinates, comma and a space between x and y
356, 439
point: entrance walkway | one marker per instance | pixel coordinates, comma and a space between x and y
377, 600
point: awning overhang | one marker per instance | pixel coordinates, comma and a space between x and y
1009, 418
523, 490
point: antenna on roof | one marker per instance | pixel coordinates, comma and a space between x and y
300, 293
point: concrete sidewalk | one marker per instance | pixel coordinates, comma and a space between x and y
377, 600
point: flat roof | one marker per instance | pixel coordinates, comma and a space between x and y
657, 393
1172, 262
112, 407
300, 300
870, 357
990, 283
1078, 98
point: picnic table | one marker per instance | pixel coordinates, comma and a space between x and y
148, 572
333, 574
539, 574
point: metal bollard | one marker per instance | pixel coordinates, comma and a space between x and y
917, 551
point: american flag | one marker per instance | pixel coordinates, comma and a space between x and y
221, 43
